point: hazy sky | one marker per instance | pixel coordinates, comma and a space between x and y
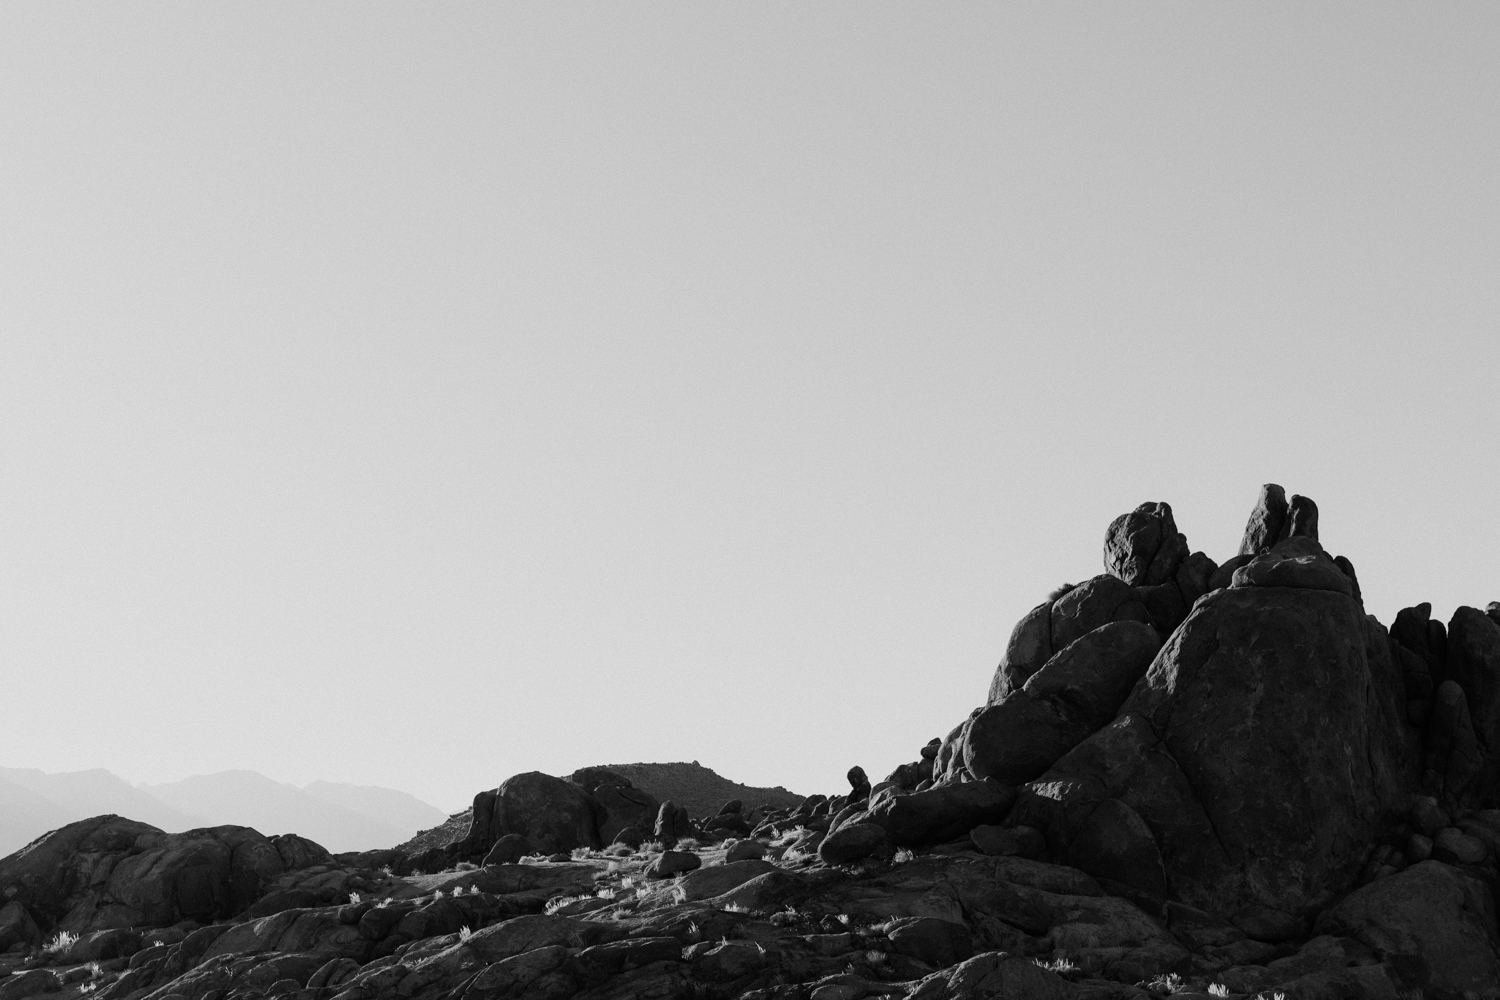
415, 395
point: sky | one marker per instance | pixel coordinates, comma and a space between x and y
416, 395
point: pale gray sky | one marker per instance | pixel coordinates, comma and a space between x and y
415, 395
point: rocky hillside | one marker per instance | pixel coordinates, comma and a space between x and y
1185, 778
698, 789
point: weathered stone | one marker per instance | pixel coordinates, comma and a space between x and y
508, 850
1427, 815
1455, 847
621, 956
745, 850
715, 880
1266, 521
1434, 925
1474, 662
670, 863
1453, 757
1194, 576
1144, 548
630, 836
1029, 647
1117, 847
1021, 840
673, 823
995, 976
29, 984
939, 814
108, 872
854, 842
1094, 602
1301, 519
553, 814
1265, 750
940, 943
622, 806
1296, 562
16, 926
1077, 692
859, 785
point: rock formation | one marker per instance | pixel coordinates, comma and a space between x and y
1185, 777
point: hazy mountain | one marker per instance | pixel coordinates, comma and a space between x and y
340, 817
95, 792
25, 815
248, 798
384, 805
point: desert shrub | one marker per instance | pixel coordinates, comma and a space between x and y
60, 943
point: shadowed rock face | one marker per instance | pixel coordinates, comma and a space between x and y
1265, 750
1072, 695
109, 872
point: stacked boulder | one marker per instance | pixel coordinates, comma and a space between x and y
1073, 659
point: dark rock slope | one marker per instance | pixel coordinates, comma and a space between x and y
1186, 778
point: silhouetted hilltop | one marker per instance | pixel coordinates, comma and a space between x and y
701, 790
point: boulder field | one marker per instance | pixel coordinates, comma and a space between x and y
1186, 778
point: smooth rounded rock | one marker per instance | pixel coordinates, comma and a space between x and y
940, 943
854, 843
508, 850
1455, 847
671, 863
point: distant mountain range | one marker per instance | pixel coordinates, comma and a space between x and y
341, 817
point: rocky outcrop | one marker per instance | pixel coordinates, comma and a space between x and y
111, 872
1187, 779
1263, 753
1074, 694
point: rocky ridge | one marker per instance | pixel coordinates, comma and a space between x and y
1186, 778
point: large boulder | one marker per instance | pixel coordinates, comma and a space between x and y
108, 872
618, 804
1049, 628
1267, 518
1434, 925
936, 815
1144, 548
17, 927
553, 814
1074, 694
1264, 751
1473, 661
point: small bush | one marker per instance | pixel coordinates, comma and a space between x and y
1059, 965
558, 902
1168, 984
464, 933
1218, 989
60, 943
353, 897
